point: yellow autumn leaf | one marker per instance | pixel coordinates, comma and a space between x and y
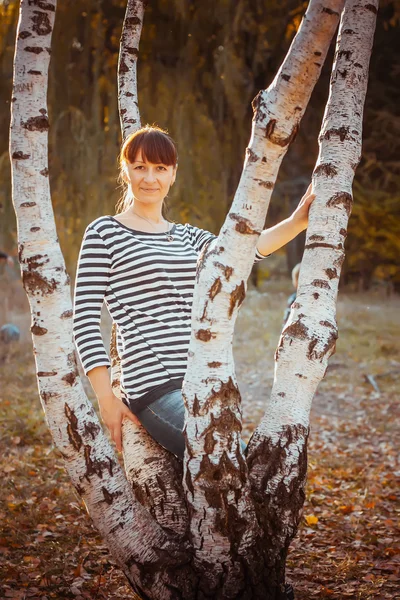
311, 519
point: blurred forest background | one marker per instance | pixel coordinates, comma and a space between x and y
200, 66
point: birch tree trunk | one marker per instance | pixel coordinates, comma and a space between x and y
137, 542
277, 452
224, 521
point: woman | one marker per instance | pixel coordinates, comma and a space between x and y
143, 267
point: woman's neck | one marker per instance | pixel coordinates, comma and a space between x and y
152, 213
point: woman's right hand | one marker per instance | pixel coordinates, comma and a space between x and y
112, 412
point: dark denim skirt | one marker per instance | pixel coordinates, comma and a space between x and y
164, 420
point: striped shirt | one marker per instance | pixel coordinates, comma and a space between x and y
147, 283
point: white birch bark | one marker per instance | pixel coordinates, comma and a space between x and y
136, 541
127, 67
222, 518
277, 454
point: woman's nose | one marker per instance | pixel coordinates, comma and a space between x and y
150, 175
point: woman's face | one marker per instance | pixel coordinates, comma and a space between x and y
149, 182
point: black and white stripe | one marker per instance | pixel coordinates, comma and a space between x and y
147, 283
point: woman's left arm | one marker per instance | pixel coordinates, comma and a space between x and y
277, 236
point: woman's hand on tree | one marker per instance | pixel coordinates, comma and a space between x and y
300, 215
112, 412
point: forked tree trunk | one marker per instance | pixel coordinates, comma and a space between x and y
277, 452
136, 541
242, 513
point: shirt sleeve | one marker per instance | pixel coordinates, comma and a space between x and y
200, 237
90, 286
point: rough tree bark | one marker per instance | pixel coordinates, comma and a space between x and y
242, 512
136, 541
277, 452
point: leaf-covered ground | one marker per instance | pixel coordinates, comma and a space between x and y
348, 545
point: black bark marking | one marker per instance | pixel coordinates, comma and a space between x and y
316, 238
34, 229
358, 65
343, 232
317, 64
321, 284
196, 406
41, 23
325, 169
348, 31
316, 295
341, 199
130, 121
264, 159
46, 373
72, 428
33, 50
123, 67
296, 330
214, 364
345, 53
132, 21
282, 394
204, 335
43, 5
285, 77
188, 481
27, 204
236, 297
66, 314
329, 11
24, 34
267, 184
33, 72
132, 52
276, 139
129, 94
252, 156
329, 346
69, 378
331, 273
36, 124
109, 496
96, 466
300, 376
123, 111
280, 510
327, 324
243, 225
372, 8
320, 245
37, 330
342, 74
80, 489
20, 155
215, 288
318, 53
91, 429
161, 485
338, 262
44, 172
342, 132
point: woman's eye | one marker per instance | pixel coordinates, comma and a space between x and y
162, 168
